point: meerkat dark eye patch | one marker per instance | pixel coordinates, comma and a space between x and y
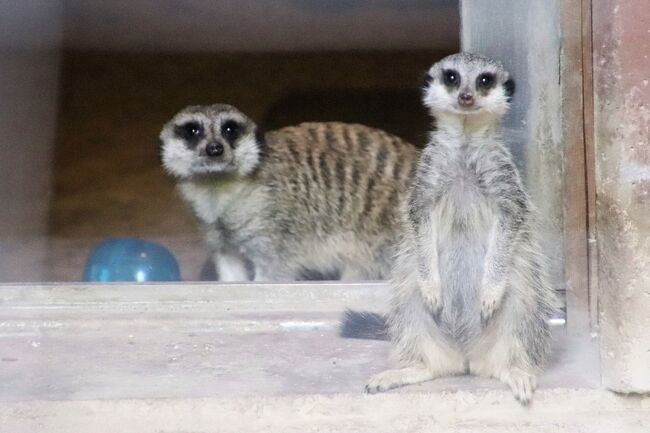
451, 78
231, 130
485, 81
190, 131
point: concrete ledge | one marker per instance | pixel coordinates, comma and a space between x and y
254, 357
553, 411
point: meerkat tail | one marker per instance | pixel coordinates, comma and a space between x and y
363, 325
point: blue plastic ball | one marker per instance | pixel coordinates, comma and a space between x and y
130, 259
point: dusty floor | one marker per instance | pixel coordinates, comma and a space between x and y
107, 179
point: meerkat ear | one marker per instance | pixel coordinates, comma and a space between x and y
510, 88
426, 80
260, 138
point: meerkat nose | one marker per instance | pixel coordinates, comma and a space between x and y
214, 148
465, 99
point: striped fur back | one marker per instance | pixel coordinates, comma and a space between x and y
338, 176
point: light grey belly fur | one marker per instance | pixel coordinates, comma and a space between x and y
460, 315
463, 224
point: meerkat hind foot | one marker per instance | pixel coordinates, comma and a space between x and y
521, 383
396, 378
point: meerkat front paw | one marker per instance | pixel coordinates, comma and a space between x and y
431, 296
489, 305
490, 301
522, 385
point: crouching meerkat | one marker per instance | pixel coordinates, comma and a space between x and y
470, 290
317, 198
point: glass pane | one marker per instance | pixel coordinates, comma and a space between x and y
89, 86
527, 41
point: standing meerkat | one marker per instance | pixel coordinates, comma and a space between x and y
470, 290
317, 198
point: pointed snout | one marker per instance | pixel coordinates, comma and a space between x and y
466, 99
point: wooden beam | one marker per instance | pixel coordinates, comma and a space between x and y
575, 179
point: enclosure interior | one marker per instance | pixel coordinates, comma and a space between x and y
86, 88
91, 85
